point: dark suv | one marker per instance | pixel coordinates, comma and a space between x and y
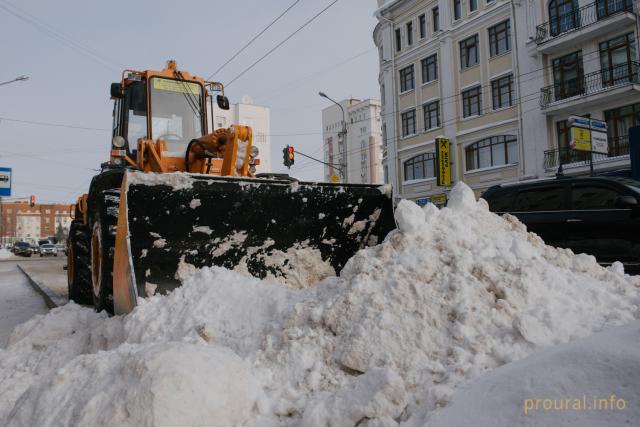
22, 248
595, 215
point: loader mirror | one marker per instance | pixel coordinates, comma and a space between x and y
223, 102
116, 90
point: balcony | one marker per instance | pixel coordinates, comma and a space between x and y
618, 147
582, 24
619, 82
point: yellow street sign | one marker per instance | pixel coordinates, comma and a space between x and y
443, 161
439, 199
580, 139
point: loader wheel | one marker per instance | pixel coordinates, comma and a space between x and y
103, 237
78, 267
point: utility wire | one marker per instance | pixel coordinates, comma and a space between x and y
60, 125
282, 42
253, 39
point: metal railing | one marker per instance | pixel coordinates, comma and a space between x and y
580, 17
566, 156
588, 84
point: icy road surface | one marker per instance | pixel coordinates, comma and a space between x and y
18, 301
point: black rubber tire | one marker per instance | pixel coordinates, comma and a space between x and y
103, 230
78, 264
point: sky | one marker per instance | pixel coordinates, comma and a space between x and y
72, 50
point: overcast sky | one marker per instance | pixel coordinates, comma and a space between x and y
78, 47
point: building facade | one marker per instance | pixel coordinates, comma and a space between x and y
247, 113
358, 157
499, 79
23, 222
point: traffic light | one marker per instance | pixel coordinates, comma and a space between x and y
288, 156
32, 201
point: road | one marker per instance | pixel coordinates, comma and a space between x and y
18, 300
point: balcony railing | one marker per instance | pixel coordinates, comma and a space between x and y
566, 156
579, 18
591, 83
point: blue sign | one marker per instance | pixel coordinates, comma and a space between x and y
5, 182
422, 201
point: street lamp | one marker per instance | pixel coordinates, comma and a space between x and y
17, 79
342, 137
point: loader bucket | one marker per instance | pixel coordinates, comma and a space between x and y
247, 223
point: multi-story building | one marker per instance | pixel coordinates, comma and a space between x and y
247, 113
359, 156
21, 221
499, 79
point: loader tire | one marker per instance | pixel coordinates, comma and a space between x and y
103, 239
78, 264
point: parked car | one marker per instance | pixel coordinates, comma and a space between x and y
599, 216
61, 247
48, 249
22, 248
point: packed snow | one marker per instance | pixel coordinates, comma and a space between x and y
5, 254
448, 297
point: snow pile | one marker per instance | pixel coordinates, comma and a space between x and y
452, 294
5, 254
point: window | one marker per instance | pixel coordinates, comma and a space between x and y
430, 68
593, 197
472, 102
568, 76
540, 199
406, 79
564, 15
457, 9
500, 38
492, 151
609, 7
616, 60
409, 123
431, 115
420, 167
619, 120
409, 33
473, 5
398, 40
422, 24
469, 51
435, 12
502, 92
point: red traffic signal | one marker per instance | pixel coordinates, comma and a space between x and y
32, 201
288, 154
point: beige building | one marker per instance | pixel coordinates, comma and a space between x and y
497, 79
22, 222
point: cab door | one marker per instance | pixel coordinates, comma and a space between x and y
599, 226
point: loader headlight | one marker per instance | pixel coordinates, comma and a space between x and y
118, 141
254, 151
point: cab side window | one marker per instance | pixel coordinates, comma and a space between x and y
587, 197
540, 199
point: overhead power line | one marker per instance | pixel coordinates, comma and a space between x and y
313, 18
59, 125
253, 39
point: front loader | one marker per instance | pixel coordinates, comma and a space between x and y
173, 193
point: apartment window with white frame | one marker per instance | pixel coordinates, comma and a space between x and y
435, 15
406, 79
431, 115
472, 102
493, 151
473, 5
398, 40
500, 38
469, 52
457, 9
408, 122
422, 25
502, 92
421, 166
409, 33
429, 68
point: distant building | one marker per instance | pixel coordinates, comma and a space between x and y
21, 222
247, 113
361, 154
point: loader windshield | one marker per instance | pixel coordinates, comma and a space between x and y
176, 112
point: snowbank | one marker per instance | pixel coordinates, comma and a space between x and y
5, 254
556, 387
451, 295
